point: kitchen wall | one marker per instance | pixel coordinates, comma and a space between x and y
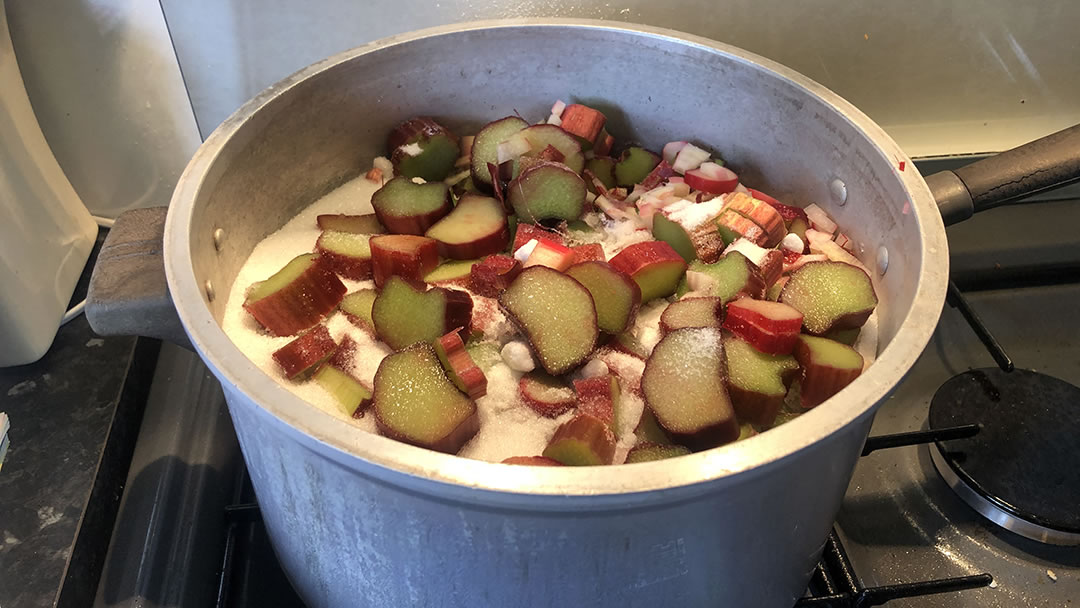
942, 77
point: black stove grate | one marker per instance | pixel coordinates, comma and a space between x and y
251, 576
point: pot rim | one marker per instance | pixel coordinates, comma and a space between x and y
352, 446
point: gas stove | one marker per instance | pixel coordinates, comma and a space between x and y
189, 531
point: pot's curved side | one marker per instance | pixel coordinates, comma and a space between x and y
348, 538
357, 517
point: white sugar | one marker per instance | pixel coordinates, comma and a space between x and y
692, 216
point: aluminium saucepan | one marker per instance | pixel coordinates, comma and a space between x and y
361, 520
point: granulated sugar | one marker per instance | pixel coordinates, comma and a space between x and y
507, 426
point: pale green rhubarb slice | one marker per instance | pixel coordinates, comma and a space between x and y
582, 441
831, 296
684, 384
404, 314
416, 403
653, 265
615, 295
557, 315
757, 382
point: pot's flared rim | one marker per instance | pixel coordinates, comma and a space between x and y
356, 448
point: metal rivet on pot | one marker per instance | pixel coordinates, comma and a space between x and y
209, 287
219, 237
839, 190
882, 259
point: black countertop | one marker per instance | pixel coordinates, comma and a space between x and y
74, 415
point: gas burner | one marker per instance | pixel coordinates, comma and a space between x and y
1022, 470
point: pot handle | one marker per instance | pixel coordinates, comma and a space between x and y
128, 293
1043, 164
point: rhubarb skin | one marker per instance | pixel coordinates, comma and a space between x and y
305, 352
762, 214
733, 226
559, 257
582, 441
598, 396
490, 277
788, 212
534, 461
582, 121
546, 395
459, 366
410, 257
654, 265
302, 302
593, 252
353, 267
770, 327
527, 232
822, 379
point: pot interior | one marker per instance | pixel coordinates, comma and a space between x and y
781, 133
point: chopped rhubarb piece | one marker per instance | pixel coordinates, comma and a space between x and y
822, 243
728, 278
486, 144
773, 294
296, 297
564, 148
692, 312
648, 430
357, 307
820, 220
712, 178
627, 343
546, 395
684, 384
404, 314
600, 168
582, 121
769, 261
459, 365
689, 157
770, 327
357, 224
421, 147
556, 314
345, 355
535, 461
669, 231
798, 227
648, 452
405, 207
830, 295
416, 403
451, 272
615, 295
844, 241
592, 252
583, 441
475, 228
659, 175
788, 212
827, 367
490, 277
402, 255
348, 391
545, 253
733, 226
695, 233
603, 144
305, 353
547, 190
551, 153
527, 232
598, 397
634, 165
762, 214
653, 265
757, 382
671, 150
346, 253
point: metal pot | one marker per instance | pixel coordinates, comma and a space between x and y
359, 519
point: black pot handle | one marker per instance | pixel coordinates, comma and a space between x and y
1043, 164
128, 294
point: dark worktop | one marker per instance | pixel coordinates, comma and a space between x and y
74, 415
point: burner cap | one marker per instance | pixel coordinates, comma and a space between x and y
1022, 471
